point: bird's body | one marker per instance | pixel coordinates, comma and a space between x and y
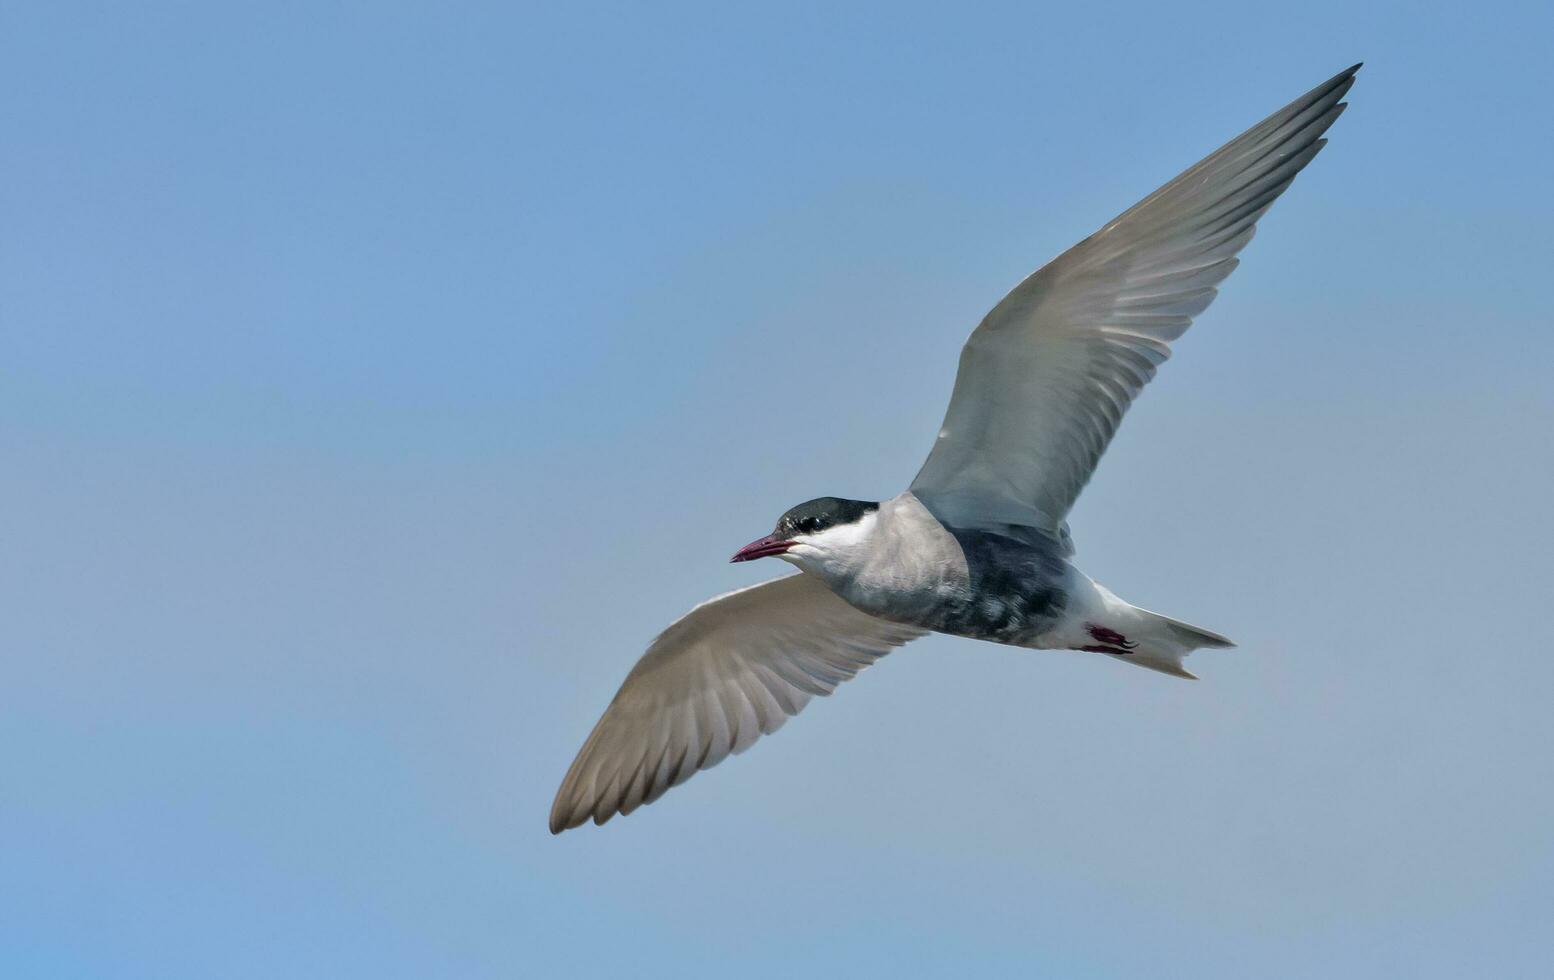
978, 546
905, 566
1012, 584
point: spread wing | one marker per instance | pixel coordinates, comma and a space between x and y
729, 671
1045, 379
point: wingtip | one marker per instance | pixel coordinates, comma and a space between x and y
1342, 82
564, 824
561, 818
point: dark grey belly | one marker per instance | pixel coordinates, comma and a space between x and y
1015, 591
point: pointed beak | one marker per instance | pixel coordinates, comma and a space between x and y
762, 548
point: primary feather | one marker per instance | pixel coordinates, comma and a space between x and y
1045, 379
729, 671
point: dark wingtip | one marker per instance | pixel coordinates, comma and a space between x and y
560, 819
1344, 80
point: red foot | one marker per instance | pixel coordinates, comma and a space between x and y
1110, 641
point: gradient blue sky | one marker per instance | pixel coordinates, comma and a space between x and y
379, 379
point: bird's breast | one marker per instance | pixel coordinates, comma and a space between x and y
978, 584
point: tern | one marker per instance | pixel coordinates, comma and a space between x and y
978, 545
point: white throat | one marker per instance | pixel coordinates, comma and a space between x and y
837, 553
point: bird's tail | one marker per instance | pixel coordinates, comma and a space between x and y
1160, 642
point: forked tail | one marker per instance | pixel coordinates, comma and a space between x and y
1154, 641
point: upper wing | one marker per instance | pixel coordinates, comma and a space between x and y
729, 671
1046, 377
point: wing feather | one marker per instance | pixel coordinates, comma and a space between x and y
1047, 376
729, 671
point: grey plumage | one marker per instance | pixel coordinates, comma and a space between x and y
1046, 377
979, 545
1008, 585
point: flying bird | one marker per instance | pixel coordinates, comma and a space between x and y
978, 545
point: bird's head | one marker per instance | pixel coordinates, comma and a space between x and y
816, 532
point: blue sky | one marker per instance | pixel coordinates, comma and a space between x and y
380, 379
